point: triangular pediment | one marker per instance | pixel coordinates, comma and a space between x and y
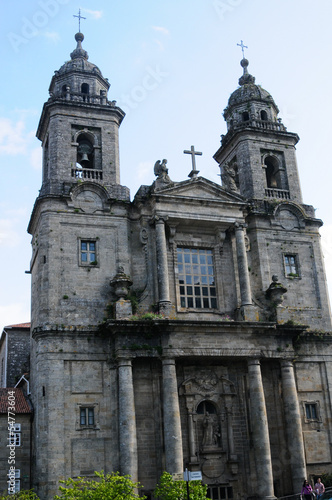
200, 189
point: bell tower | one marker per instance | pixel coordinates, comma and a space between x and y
257, 160
257, 152
79, 127
74, 233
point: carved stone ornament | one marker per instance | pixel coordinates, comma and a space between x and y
121, 283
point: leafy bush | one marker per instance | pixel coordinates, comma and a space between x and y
21, 495
168, 489
106, 487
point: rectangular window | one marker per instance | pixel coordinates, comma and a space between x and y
196, 278
220, 492
87, 417
11, 480
311, 411
88, 255
291, 265
14, 438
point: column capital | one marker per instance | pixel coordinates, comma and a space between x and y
286, 363
254, 361
124, 361
159, 219
168, 361
240, 226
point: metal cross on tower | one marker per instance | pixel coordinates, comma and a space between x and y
242, 47
79, 19
193, 153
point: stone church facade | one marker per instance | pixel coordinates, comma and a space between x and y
230, 373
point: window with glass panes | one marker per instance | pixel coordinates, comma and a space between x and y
196, 278
87, 416
291, 265
219, 492
88, 252
311, 412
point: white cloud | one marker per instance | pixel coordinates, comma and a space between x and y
160, 44
36, 158
161, 29
52, 35
96, 14
14, 139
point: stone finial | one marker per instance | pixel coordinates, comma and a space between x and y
79, 52
246, 77
121, 283
275, 292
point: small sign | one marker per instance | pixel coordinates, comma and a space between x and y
178, 476
195, 476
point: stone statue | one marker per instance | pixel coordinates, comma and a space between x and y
160, 170
211, 432
229, 177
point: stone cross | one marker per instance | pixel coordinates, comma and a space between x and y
193, 153
242, 47
79, 19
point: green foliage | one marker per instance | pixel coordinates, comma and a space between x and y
168, 489
106, 487
21, 495
148, 316
326, 479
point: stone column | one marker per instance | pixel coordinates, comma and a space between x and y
192, 448
242, 265
127, 420
172, 422
162, 267
260, 432
230, 436
293, 425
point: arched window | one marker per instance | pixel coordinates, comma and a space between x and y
85, 152
272, 172
263, 115
245, 116
206, 407
64, 88
85, 88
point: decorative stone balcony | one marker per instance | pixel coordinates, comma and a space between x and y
87, 173
282, 194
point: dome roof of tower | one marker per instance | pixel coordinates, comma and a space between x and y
79, 60
248, 90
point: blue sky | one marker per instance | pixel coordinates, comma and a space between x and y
172, 65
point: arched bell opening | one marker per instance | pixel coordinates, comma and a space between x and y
272, 171
85, 152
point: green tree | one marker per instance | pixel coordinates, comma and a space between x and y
22, 495
168, 489
105, 487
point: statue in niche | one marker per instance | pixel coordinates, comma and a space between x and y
211, 431
229, 177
